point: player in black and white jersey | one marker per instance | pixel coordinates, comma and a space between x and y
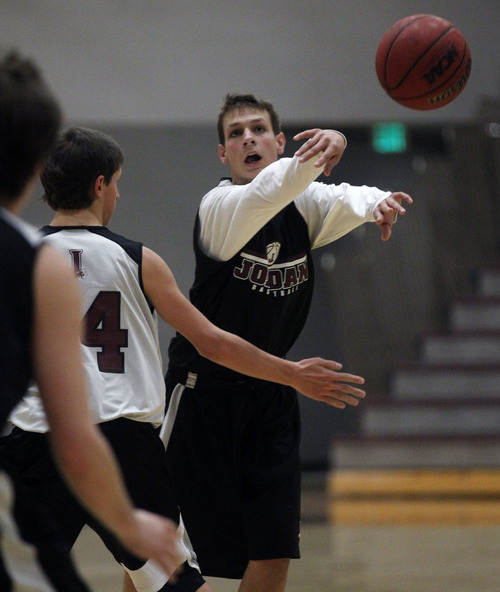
39, 339
254, 276
124, 285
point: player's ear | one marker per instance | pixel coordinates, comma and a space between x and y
281, 141
99, 185
222, 154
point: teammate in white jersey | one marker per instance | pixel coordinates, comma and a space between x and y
123, 284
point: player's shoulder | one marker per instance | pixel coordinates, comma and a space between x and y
17, 225
93, 236
119, 239
132, 247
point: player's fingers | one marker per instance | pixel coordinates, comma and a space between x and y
346, 377
400, 196
386, 230
345, 390
329, 364
342, 395
339, 400
306, 153
306, 134
348, 400
395, 208
345, 400
334, 402
352, 390
313, 147
311, 138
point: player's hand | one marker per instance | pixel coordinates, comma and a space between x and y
386, 212
330, 142
320, 380
151, 536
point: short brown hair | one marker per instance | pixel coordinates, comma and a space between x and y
234, 102
79, 156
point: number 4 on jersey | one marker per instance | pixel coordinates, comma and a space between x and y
102, 329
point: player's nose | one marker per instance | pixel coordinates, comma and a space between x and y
248, 136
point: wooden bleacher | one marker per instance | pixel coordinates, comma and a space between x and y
429, 453
414, 496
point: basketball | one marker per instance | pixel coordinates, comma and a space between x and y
423, 62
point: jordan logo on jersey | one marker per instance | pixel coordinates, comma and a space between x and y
269, 276
272, 250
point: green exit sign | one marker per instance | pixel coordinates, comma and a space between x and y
389, 137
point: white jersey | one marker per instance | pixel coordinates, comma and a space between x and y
121, 351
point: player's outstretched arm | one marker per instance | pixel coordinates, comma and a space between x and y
83, 455
386, 212
316, 378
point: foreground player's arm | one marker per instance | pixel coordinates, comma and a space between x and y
316, 378
84, 457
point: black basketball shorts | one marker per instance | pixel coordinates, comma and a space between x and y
233, 454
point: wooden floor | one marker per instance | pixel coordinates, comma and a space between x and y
356, 558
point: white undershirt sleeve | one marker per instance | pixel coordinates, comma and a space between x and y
331, 211
231, 214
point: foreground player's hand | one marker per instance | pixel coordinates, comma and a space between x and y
154, 537
320, 380
386, 212
329, 142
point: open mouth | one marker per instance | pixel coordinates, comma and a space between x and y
252, 158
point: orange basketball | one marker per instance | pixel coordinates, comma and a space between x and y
423, 62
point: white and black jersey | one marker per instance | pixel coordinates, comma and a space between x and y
123, 369
121, 352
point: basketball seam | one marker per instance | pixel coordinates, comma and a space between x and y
409, 71
388, 52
